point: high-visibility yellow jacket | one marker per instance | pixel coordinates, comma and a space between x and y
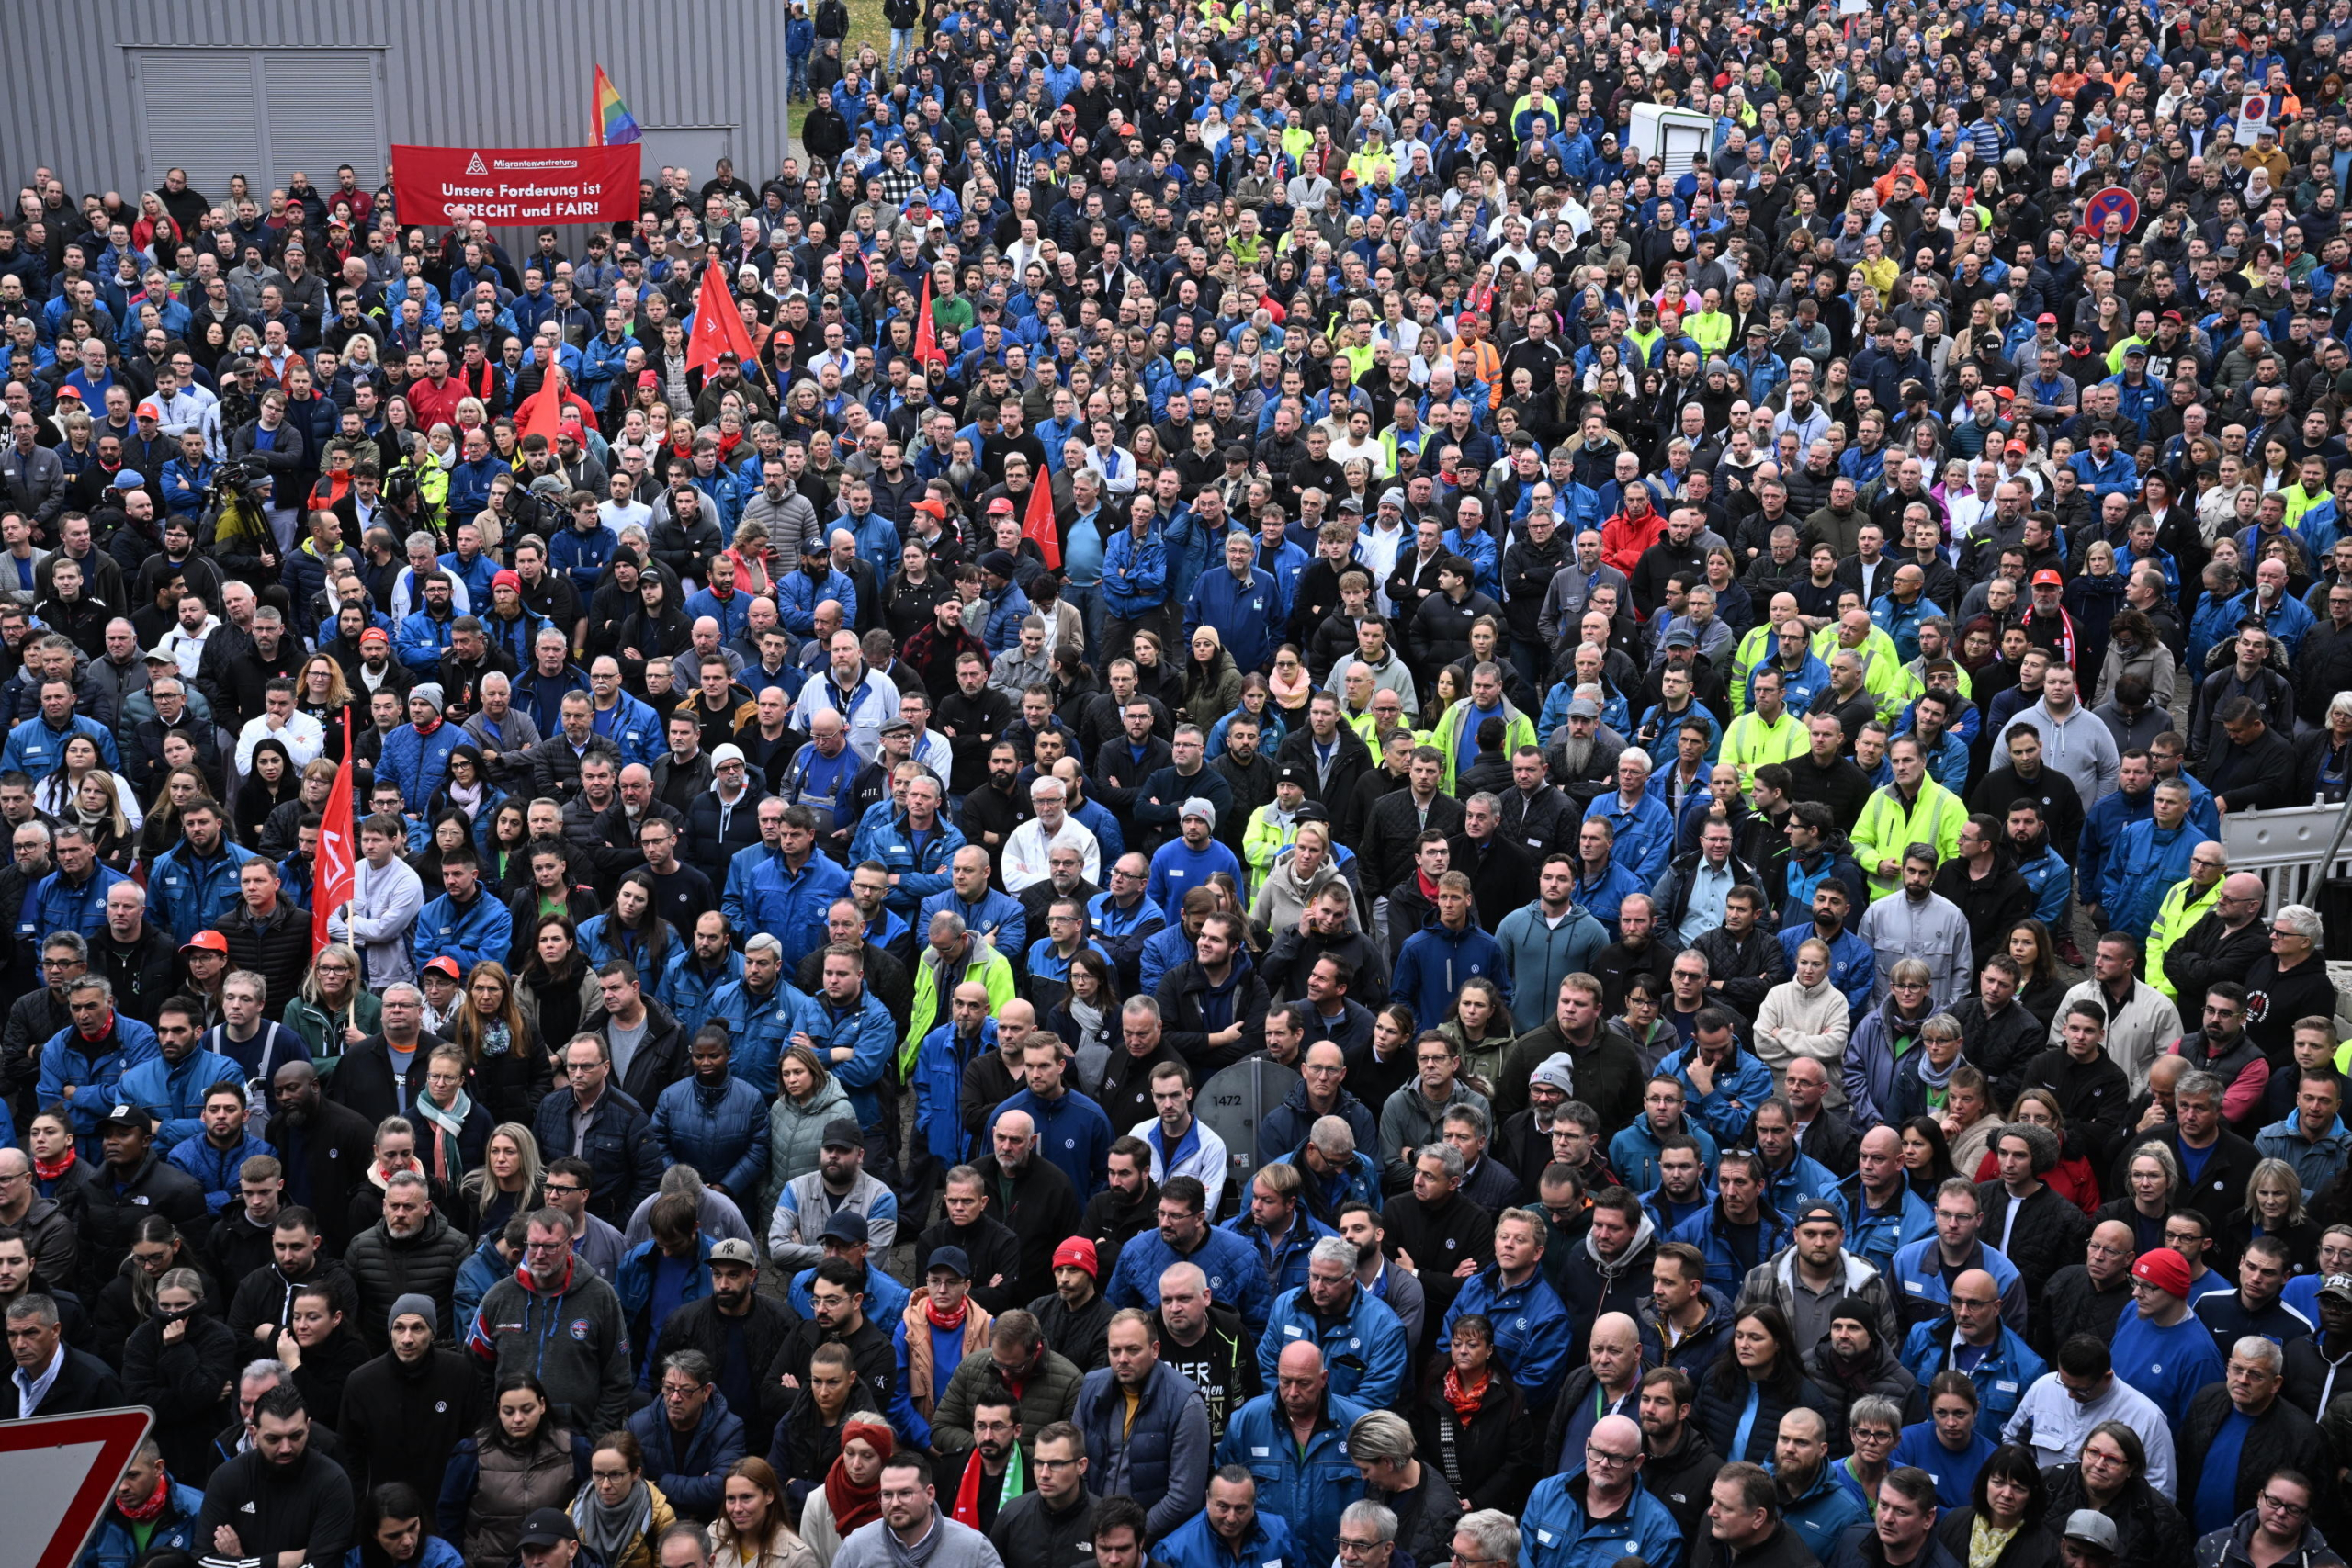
1887, 828
986, 965
2184, 905
1750, 743
1881, 666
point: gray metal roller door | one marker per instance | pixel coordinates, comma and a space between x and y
261, 113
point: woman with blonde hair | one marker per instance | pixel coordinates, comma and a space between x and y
2274, 1208
511, 1180
183, 786
334, 1011
752, 1530
109, 816
320, 691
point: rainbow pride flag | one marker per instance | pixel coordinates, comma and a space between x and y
615, 126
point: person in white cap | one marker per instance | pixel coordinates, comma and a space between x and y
1188, 861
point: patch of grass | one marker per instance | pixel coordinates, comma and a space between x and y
865, 26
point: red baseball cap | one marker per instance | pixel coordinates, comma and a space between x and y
445, 965
373, 634
210, 942
2046, 578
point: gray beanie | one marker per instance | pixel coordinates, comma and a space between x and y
414, 1302
430, 692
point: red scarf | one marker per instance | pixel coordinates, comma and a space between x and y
49, 1170
429, 728
851, 1504
1427, 887
151, 1509
941, 1321
1466, 1399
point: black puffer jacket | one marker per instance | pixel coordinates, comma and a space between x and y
385, 1267
2048, 1233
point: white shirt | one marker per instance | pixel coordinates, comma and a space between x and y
865, 708
617, 515
2050, 1421
384, 905
303, 736
1027, 849
1205, 1161
407, 598
187, 647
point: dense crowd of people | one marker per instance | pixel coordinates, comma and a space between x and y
1681, 710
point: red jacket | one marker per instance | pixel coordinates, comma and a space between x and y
1622, 538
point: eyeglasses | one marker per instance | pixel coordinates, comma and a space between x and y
566, 1191
680, 1391
1593, 1455
2276, 1505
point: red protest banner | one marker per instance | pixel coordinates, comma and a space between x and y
511, 185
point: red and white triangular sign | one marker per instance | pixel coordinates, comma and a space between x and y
59, 1472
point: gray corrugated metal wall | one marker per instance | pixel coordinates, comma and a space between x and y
492, 72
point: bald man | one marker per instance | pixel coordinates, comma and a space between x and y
1294, 1440
1565, 1503
2220, 940
1607, 1385
1971, 1339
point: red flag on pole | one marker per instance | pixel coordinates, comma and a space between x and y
926, 339
1038, 524
545, 413
717, 326
338, 873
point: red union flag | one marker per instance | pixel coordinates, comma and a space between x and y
927, 347
338, 873
513, 185
717, 326
1038, 526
